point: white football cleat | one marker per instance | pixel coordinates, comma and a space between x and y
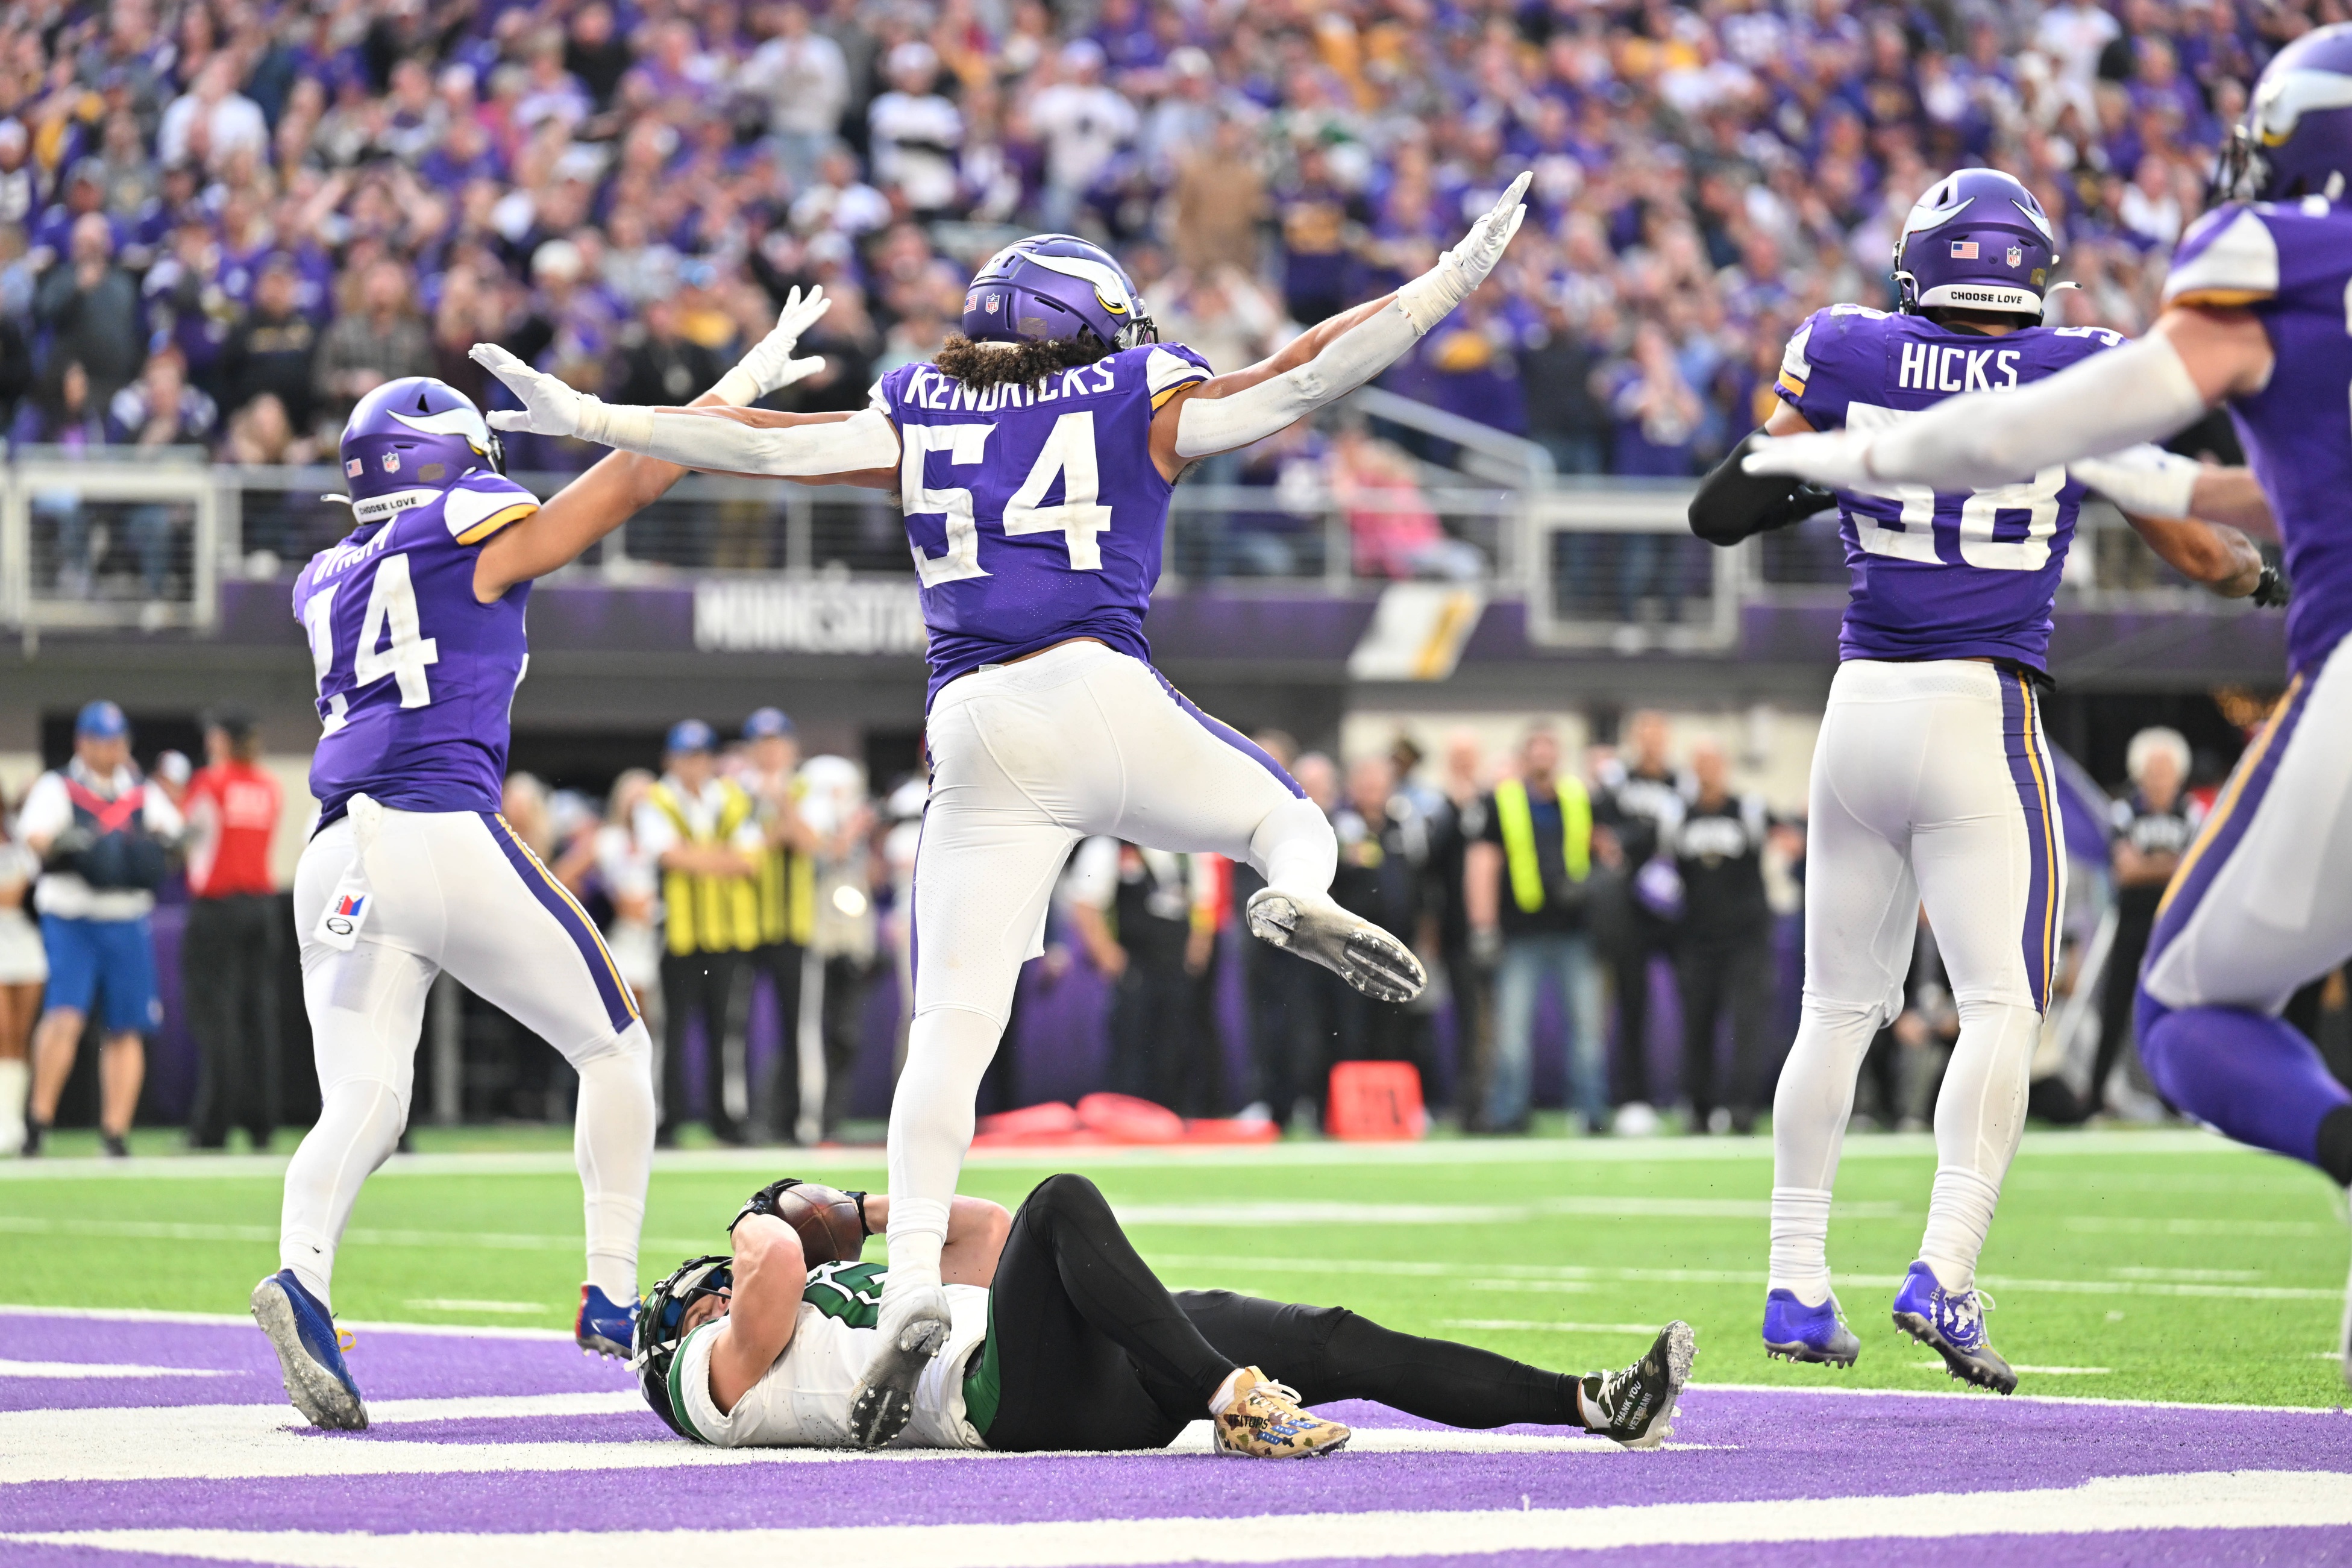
914, 1325
1351, 946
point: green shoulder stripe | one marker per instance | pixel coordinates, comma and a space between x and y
677, 1405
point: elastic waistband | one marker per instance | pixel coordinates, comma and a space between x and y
1057, 665
1895, 680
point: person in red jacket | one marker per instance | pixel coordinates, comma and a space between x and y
230, 957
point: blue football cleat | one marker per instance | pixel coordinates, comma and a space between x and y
310, 1353
1951, 1323
605, 1327
1794, 1331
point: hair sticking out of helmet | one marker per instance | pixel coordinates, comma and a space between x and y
2296, 138
1977, 241
413, 434
661, 1327
1054, 287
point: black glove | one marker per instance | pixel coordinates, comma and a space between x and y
2269, 588
765, 1201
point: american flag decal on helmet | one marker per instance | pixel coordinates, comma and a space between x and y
1964, 250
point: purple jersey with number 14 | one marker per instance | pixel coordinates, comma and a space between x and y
416, 677
1034, 512
1940, 575
2291, 264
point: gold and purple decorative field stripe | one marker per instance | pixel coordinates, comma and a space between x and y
127, 1441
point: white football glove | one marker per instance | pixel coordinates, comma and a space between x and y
1429, 297
549, 406
1834, 460
2147, 480
769, 365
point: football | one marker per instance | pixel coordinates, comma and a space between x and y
827, 1220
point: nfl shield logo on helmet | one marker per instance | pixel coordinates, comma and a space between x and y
2017, 256
1964, 250
392, 462
989, 304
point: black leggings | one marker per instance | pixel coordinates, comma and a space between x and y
1094, 1353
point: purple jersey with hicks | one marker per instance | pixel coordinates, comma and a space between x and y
415, 678
1938, 575
2291, 264
1034, 512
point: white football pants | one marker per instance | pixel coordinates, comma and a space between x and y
457, 890
1027, 758
1931, 781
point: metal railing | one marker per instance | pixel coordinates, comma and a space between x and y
97, 541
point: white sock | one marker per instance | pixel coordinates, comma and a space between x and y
1958, 1214
1296, 849
612, 1146
16, 1080
1227, 1392
947, 1050
358, 1128
1800, 1243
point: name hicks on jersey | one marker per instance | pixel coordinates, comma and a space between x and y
1937, 367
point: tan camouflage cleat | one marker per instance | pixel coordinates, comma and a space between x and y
1264, 1422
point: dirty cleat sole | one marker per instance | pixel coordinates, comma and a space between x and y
881, 1408
1352, 947
322, 1397
1982, 1366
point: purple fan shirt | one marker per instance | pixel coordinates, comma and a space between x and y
2291, 265
1035, 514
417, 678
1940, 575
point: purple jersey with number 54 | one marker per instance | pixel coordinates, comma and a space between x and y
416, 677
2291, 264
1034, 512
1938, 575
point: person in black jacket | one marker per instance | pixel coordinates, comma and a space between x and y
1724, 958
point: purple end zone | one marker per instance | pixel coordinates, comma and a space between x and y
1759, 1445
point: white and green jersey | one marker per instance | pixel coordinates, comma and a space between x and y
803, 1401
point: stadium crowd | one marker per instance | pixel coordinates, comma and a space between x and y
221, 221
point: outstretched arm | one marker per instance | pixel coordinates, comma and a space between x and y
1334, 357
2184, 510
623, 484
1733, 504
2195, 357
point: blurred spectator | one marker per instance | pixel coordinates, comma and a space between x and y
380, 341
1293, 1006
632, 884
661, 366
1723, 960
1638, 807
804, 79
2152, 828
1147, 923
24, 969
1459, 822
89, 308
1083, 123
1395, 533
916, 135
231, 953
1384, 876
212, 122
158, 410
1529, 906
270, 351
102, 834
787, 892
835, 805
699, 829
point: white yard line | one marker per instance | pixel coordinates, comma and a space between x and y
1439, 1151
72, 1371
2205, 1501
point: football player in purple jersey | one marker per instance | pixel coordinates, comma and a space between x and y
416, 625
2254, 318
1932, 780
1033, 461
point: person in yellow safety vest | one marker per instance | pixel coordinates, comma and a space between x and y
787, 899
702, 831
1527, 887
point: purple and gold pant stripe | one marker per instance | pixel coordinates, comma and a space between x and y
2029, 768
620, 1005
2225, 826
1231, 736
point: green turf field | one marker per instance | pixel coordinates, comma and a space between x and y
2165, 1265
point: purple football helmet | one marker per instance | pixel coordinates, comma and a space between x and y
1978, 241
415, 432
2296, 140
1055, 286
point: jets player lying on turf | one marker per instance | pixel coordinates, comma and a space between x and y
1033, 461
416, 623
2255, 317
1931, 778
1063, 1339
